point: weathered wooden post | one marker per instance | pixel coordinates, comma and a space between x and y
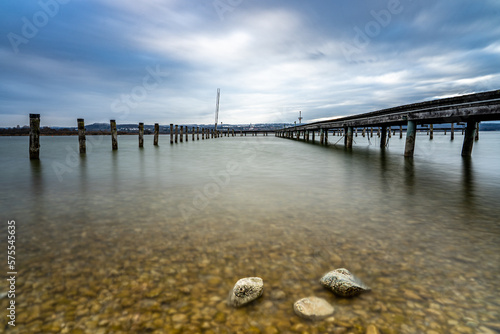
34, 136
81, 135
313, 135
383, 138
187, 134
192, 132
171, 133
363, 133
348, 137
469, 138
400, 132
202, 133
431, 130
157, 133
378, 131
356, 132
141, 134
182, 133
176, 132
452, 131
389, 132
197, 133
476, 138
321, 136
371, 132
114, 135
411, 129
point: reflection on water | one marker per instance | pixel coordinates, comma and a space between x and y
152, 240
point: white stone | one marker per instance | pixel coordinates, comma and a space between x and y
313, 308
245, 291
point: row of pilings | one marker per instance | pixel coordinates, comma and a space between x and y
471, 132
177, 134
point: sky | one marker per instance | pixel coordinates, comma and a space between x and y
161, 61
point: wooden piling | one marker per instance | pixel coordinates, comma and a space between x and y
313, 135
141, 134
452, 131
34, 137
431, 131
411, 129
182, 133
476, 137
348, 137
470, 134
363, 133
202, 133
326, 137
383, 137
157, 134
400, 132
114, 135
171, 133
192, 134
81, 136
197, 133
322, 137
389, 134
176, 132
371, 132
187, 133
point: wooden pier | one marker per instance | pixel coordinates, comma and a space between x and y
470, 109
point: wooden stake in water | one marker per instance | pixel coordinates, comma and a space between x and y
469, 138
81, 136
411, 130
157, 133
114, 135
176, 132
182, 128
383, 138
192, 133
452, 131
171, 133
187, 134
141, 134
197, 133
35, 136
431, 130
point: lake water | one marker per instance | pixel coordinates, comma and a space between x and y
152, 240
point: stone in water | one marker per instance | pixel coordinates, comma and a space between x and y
313, 308
245, 291
343, 283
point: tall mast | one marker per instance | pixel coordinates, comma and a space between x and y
217, 108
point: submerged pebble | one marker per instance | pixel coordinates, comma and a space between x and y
343, 283
313, 308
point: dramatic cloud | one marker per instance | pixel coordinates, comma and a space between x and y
163, 60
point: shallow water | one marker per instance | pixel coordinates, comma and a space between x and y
152, 240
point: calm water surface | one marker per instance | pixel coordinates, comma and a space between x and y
152, 240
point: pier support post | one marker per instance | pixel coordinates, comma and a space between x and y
34, 136
171, 133
313, 134
411, 129
197, 133
141, 134
81, 136
202, 133
326, 137
389, 134
348, 137
363, 133
176, 132
371, 132
114, 135
322, 137
476, 137
157, 133
383, 137
431, 130
452, 131
400, 132
182, 133
470, 133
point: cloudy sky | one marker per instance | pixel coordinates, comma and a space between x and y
163, 60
